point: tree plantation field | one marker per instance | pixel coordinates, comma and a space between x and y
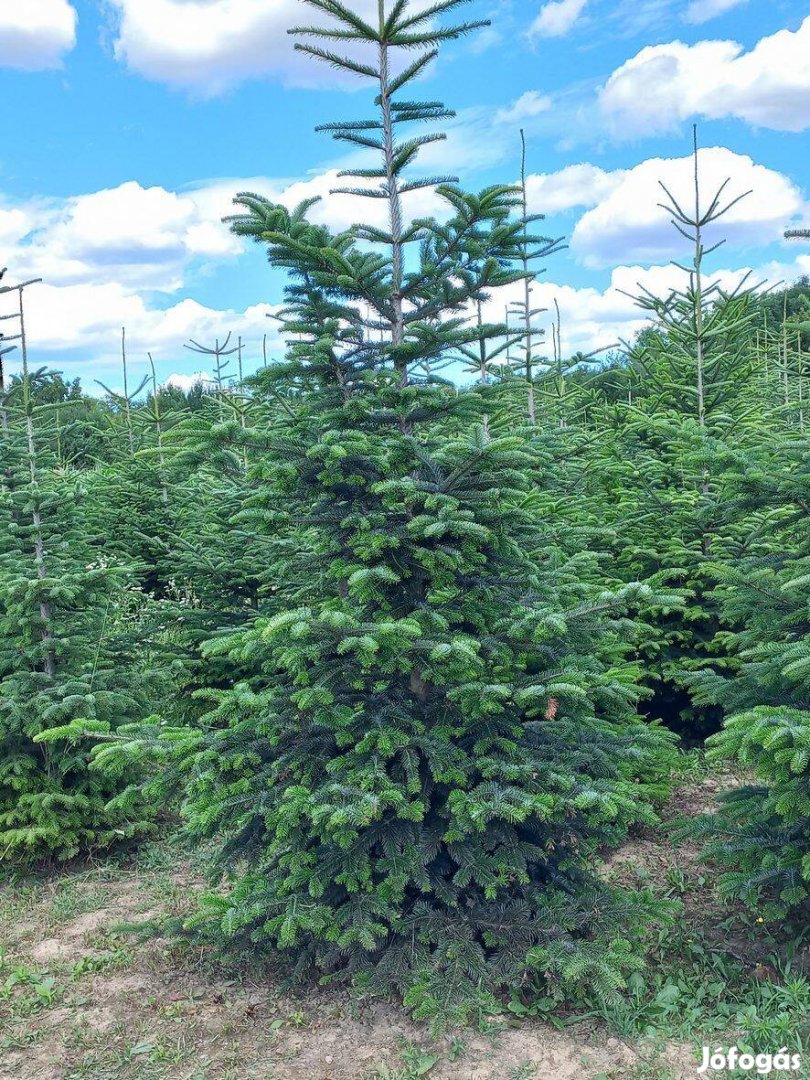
84, 999
92, 1003
430, 702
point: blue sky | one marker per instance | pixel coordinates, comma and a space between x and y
129, 124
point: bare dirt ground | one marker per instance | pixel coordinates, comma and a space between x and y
78, 1000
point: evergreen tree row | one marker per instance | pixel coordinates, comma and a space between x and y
413, 650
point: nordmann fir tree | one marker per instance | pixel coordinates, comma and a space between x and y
220, 574
701, 388
169, 511
488, 358
129, 513
760, 835
64, 655
531, 247
697, 349
436, 732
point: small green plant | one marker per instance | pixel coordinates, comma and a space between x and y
28, 990
416, 1063
297, 1019
692, 990
111, 960
457, 1049
523, 1072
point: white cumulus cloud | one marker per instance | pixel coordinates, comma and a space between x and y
187, 383
120, 256
662, 85
575, 185
115, 257
630, 225
81, 324
15, 223
557, 17
149, 238
209, 46
596, 319
36, 34
136, 236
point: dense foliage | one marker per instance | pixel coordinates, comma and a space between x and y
409, 649
762, 835
66, 654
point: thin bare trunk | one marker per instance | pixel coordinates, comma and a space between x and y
527, 285
800, 380
394, 200
482, 346
45, 612
127, 410
785, 356
700, 340
561, 386
164, 491
698, 291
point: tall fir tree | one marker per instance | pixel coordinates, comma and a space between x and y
64, 654
435, 732
761, 834
700, 389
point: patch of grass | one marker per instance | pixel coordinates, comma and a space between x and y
19, 1038
415, 1063
16, 901
644, 1070
694, 991
74, 898
128, 1055
523, 1072
457, 1049
156, 856
25, 990
692, 766
113, 960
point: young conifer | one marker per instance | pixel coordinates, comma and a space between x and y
698, 378
64, 655
761, 834
435, 730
